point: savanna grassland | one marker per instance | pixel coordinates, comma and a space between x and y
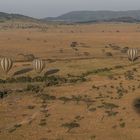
89, 90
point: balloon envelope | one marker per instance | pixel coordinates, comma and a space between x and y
132, 54
6, 64
38, 65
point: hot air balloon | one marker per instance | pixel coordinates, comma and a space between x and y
38, 65
132, 54
6, 64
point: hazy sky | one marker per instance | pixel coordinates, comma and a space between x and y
45, 8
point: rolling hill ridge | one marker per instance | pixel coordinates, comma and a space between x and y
82, 17
97, 16
7, 16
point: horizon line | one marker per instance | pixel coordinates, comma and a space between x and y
22, 14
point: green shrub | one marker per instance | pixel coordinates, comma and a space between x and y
64, 99
71, 125
33, 88
3, 94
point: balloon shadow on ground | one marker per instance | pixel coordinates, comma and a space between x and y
51, 71
136, 105
23, 71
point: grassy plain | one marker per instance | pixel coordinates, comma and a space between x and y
99, 101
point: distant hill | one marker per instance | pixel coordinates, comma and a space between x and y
97, 16
6, 16
82, 17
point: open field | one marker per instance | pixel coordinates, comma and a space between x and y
93, 93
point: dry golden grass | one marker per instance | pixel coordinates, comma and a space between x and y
28, 115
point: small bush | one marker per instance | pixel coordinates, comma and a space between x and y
3, 94
109, 54
71, 125
33, 88
74, 44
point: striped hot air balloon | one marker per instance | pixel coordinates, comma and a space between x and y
6, 64
132, 54
38, 65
